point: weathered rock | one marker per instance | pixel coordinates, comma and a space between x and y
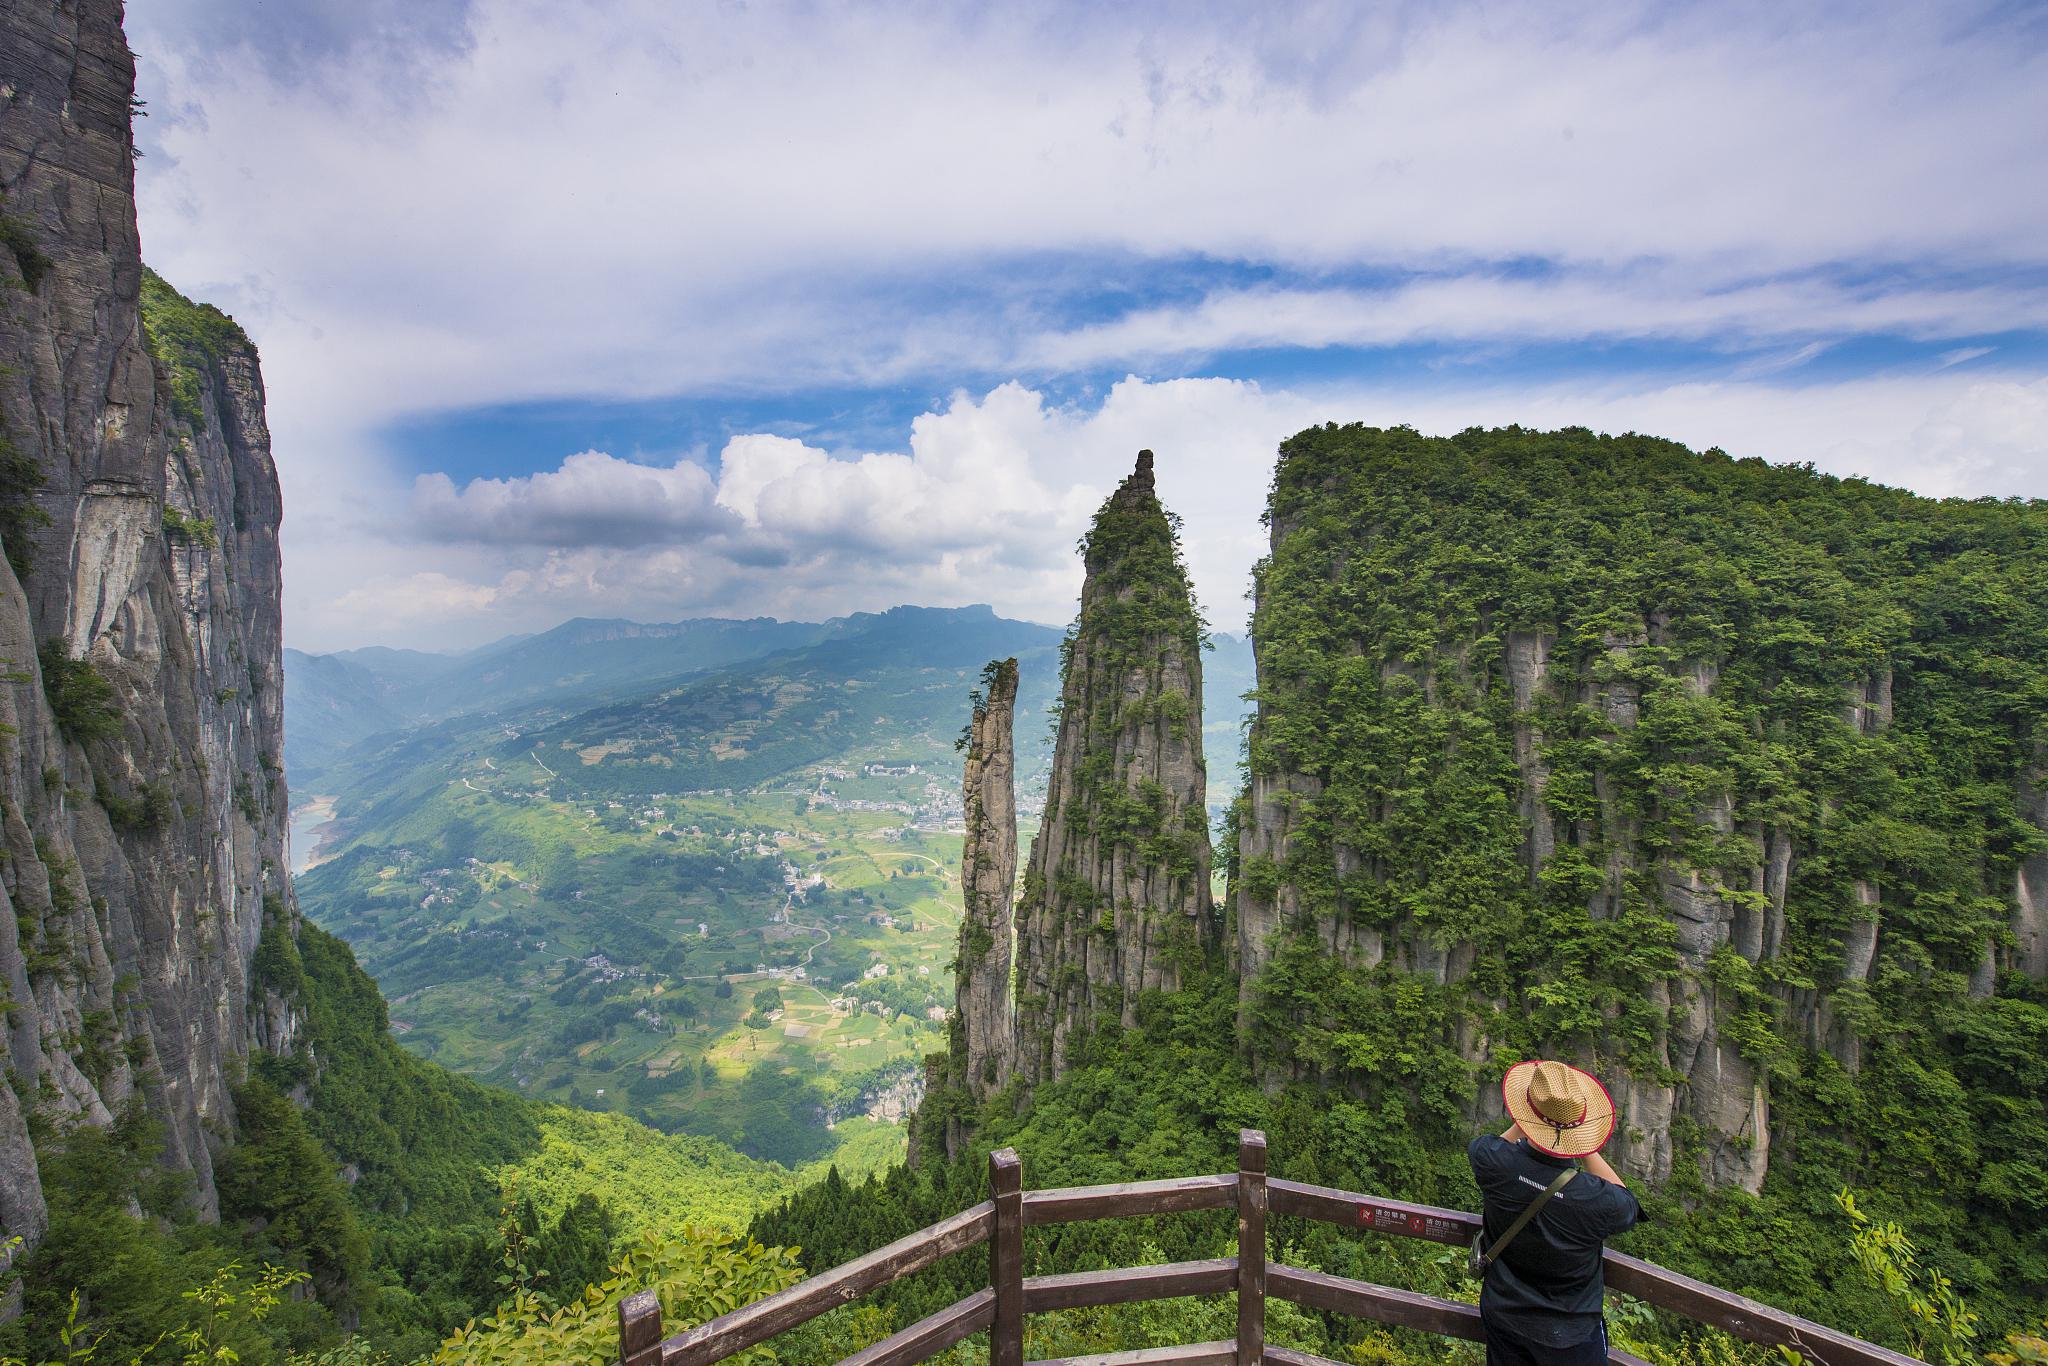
143, 852
1449, 760
988, 884
1116, 899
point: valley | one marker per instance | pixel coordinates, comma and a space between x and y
559, 900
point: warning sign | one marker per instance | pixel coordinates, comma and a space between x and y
1410, 1223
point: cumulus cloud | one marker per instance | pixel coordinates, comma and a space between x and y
639, 199
593, 499
986, 502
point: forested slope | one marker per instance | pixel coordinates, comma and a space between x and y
1720, 778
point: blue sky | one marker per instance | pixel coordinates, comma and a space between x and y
638, 309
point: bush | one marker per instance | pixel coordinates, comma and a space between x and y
80, 695
20, 517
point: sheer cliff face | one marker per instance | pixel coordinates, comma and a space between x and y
1706, 774
988, 882
1116, 897
142, 813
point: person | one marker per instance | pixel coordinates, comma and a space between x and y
1540, 1301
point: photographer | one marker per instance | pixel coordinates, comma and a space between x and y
1540, 1299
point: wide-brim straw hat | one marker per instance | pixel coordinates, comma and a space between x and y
1562, 1110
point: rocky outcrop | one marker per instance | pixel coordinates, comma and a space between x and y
1116, 898
142, 802
988, 883
1507, 746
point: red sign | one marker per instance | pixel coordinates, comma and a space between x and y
1410, 1223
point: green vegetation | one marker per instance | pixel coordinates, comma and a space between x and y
189, 341
29, 257
420, 1207
1731, 613
21, 478
199, 531
563, 912
81, 697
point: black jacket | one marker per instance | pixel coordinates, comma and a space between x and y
1546, 1287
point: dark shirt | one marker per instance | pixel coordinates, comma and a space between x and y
1546, 1287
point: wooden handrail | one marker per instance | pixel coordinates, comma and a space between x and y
1178, 1195
1001, 1308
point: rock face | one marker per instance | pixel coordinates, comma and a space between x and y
1116, 898
142, 800
988, 883
1602, 749
976, 1063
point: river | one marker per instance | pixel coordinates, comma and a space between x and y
310, 818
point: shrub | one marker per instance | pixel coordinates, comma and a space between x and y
81, 697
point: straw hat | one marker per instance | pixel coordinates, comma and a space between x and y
1562, 1110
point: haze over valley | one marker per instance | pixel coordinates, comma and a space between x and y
703, 873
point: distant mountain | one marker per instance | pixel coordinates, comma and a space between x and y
552, 890
1226, 677
876, 686
334, 701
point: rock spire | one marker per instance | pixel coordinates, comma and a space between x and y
988, 882
1116, 898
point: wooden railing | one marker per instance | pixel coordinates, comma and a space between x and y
1000, 1308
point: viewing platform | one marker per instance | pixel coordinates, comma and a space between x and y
1000, 1308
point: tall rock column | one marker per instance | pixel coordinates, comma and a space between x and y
1116, 898
142, 797
988, 883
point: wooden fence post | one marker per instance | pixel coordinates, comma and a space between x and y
1251, 1247
1006, 1258
639, 1327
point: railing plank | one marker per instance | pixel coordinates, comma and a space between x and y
1194, 1354
932, 1335
1006, 1258
639, 1329
1370, 1212
785, 1309
1287, 1356
1742, 1316
1382, 1304
640, 1324
1251, 1247
1129, 1284
1177, 1195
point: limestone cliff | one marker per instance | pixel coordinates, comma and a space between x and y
976, 1062
988, 883
1116, 898
1695, 770
142, 802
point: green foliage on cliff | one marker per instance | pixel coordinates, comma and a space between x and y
20, 515
188, 340
199, 531
80, 696
1743, 667
29, 257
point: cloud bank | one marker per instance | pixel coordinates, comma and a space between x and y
1806, 236
988, 499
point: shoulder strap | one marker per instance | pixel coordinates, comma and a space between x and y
1557, 1184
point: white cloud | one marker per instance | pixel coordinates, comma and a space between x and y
987, 501
1659, 304
640, 198
636, 198
594, 498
